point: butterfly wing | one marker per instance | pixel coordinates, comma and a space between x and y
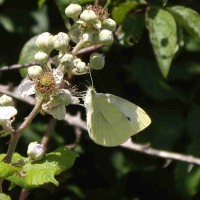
107, 126
137, 116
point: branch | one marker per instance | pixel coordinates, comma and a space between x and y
4, 89
16, 66
159, 153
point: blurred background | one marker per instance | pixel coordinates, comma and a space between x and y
131, 72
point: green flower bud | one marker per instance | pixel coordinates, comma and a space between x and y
109, 24
63, 98
97, 61
35, 151
5, 100
34, 71
61, 41
73, 11
88, 16
106, 37
45, 42
74, 34
41, 57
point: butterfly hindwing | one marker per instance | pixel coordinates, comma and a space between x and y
109, 126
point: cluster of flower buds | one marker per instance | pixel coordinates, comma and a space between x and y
91, 26
7, 113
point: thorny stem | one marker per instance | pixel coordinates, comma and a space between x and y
17, 134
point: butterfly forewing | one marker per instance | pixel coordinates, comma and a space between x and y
136, 115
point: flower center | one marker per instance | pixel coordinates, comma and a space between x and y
46, 84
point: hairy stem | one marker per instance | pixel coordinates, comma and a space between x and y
17, 134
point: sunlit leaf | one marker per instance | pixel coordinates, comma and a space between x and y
4, 197
163, 35
188, 19
119, 13
30, 175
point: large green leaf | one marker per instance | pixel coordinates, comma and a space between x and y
133, 33
119, 13
188, 19
27, 53
34, 174
163, 35
4, 197
148, 77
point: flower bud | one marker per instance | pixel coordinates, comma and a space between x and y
66, 59
97, 61
35, 151
81, 67
61, 41
76, 60
75, 33
88, 16
41, 57
106, 37
45, 42
64, 97
73, 11
109, 24
5, 100
34, 71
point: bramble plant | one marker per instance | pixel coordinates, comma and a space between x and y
52, 92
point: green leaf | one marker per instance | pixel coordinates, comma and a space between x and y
151, 81
132, 34
193, 119
27, 53
163, 36
7, 23
4, 197
184, 71
41, 3
119, 13
34, 174
188, 19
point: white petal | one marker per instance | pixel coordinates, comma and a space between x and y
27, 88
58, 76
7, 112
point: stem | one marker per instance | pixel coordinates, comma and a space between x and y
17, 134
78, 47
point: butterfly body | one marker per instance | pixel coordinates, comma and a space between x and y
112, 120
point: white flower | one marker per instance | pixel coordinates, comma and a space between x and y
7, 112
58, 97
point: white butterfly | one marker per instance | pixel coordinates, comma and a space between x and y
112, 120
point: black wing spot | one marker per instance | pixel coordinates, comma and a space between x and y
129, 119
